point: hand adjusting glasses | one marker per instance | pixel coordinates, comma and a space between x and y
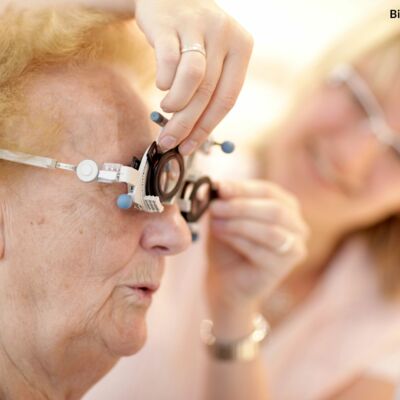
155, 179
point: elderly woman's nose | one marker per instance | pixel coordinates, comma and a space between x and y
166, 233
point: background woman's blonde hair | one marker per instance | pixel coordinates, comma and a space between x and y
33, 40
377, 41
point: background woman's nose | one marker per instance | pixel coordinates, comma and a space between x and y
166, 233
357, 154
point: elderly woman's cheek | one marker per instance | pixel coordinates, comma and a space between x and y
79, 260
121, 324
112, 260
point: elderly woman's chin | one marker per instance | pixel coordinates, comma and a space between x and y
125, 331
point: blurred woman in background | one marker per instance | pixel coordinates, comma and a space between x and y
337, 318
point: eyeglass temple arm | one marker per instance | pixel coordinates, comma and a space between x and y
364, 94
375, 112
35, 161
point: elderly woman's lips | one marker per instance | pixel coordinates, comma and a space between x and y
146, 287
143, 291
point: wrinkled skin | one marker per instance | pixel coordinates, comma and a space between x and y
70, 256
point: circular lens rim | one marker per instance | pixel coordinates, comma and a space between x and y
157, 173
191, 216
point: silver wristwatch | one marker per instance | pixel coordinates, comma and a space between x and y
244, 349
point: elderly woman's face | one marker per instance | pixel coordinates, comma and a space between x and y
328, 156
79, 270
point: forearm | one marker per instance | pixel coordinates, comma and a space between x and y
119, 6
235, 380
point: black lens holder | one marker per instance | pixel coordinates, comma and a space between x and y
157, 162
197, 207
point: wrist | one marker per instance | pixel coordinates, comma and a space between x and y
231, 323
231, 311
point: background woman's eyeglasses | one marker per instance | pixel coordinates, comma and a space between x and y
347, 75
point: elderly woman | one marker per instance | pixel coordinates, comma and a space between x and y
78, 273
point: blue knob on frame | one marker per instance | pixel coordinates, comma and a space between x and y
124, 201
158, 118
228, 147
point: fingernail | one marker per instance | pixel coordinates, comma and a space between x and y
188, 147
165, 106
167, 142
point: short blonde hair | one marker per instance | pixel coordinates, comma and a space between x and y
35, 39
